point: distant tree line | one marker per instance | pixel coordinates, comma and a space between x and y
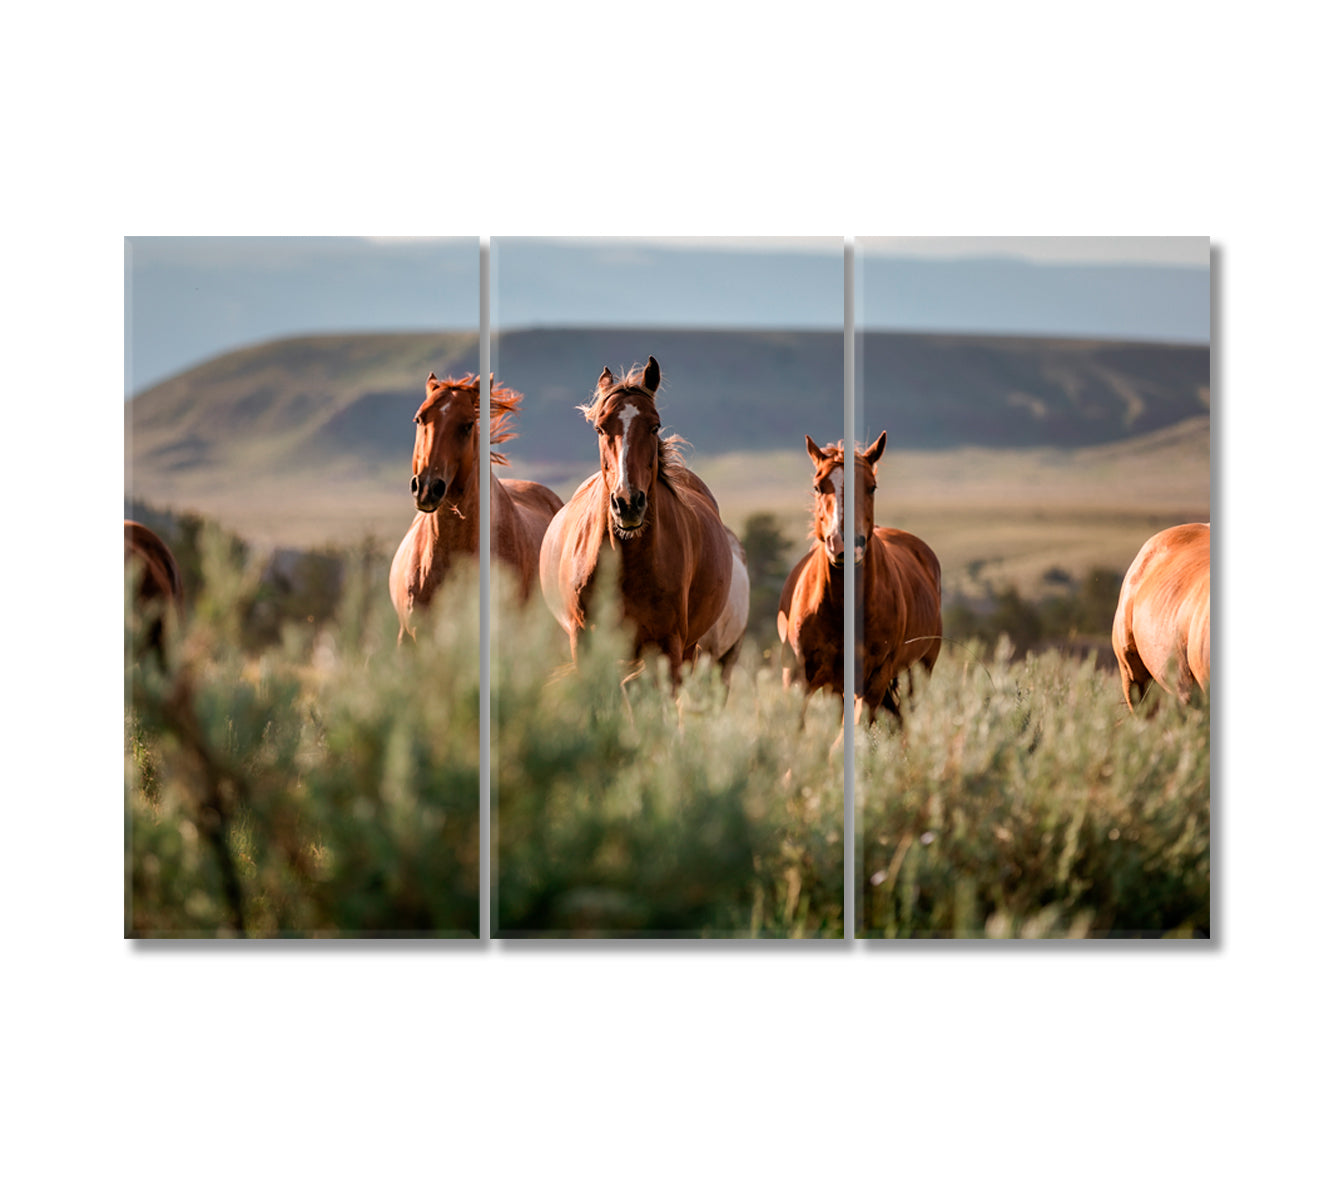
1073, 613
307, 587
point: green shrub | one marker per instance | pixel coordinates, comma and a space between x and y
1022, 799
326, 785
625, 811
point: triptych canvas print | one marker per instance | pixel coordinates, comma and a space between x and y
667, 588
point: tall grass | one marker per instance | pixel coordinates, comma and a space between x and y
325, 782
327, 785
1022, 799
623, 810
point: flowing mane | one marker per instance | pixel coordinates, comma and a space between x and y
504, 404
671, 446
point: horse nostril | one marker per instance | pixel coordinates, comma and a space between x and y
413, 485
638, 499
861, 542
437, 489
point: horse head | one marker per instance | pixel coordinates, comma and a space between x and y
625, 415
444, 454
828, 486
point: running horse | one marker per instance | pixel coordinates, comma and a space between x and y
897, 590
1161, 628
446, 483
159, 591
659, 522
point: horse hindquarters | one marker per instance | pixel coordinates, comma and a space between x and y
1197, 645
1161, 629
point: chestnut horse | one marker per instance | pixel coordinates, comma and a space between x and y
1161, 628
897, 590
675, 557
159, 590
447, 487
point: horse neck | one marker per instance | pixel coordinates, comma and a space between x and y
458, 528
504, 511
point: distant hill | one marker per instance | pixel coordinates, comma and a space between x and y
312, 436
302, 403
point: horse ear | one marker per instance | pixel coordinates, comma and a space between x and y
652, 375
876, 450
431, 381
817, 455
605, 380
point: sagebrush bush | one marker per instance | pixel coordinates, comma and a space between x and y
1022, 798
328, 785
627, 811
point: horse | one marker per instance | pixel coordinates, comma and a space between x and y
897, 591
446, 486
722, 642
676, 559
159, 591
1161, 628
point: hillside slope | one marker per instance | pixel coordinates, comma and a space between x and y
309, 439
302, 402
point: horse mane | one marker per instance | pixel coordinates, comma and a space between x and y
504, 404
671, 446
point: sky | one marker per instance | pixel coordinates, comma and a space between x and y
1156, 251
190, 299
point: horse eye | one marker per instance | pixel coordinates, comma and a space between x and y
466, 428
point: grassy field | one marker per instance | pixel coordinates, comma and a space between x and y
290, 771
1022, 799
323, 784
621, 810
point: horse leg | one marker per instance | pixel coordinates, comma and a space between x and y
1134, 677
674, 648
727, 662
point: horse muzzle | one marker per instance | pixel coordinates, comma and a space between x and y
628, 512
428, 491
